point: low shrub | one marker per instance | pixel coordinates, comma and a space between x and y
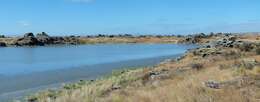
223, 66
197, 66
246, 47
233, 54
257, 51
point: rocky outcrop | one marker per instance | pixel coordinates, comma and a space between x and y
193, 39
43, 38
2, 44
232, 42
28, 40
227, 41
2, 36
71, 40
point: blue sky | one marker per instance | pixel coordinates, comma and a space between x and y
128, 16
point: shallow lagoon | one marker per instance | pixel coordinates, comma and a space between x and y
25, 60
25, 68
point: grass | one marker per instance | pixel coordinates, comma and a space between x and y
96, 40
237, 72
88, 90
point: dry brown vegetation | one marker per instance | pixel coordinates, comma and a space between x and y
8, 40
224, 75
162, 39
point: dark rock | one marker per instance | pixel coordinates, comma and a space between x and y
227, 41
58, 40
197, 66
212, 84
2, 44
115, 87
2, 36
233, 39
28, 40
43, 34
44, 38
26, 35
192, 40
204, 52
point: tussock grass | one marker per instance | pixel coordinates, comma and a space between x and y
236, 71
151, 39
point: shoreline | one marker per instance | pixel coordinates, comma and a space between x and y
226, 65
68, 75
43, 39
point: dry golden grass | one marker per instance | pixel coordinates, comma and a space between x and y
129, 40
188, 87
8, 40
178, 81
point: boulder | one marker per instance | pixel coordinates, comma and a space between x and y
227, 41
2, 36
212, 84
26, 35
2, 44
204, 52
58, 40
192, 40
44, 38
28, 40
43, 34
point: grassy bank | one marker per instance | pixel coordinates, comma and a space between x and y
147, 39
207, 74
42, 39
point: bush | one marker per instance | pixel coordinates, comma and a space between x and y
233, 54
197, 66
258, 51
223, 66
246, 47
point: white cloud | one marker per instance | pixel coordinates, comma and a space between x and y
24, 23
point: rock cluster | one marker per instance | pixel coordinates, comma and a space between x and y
228, 41
2, 36
193, 39
204, 52
212, 84
42, 39
28, 40
2, 44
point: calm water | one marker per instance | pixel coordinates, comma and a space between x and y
25, 70
25, 60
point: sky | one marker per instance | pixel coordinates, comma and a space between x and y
81, 17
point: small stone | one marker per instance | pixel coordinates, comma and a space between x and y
212, 84
115, 87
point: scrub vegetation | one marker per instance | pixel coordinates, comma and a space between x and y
224, 69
